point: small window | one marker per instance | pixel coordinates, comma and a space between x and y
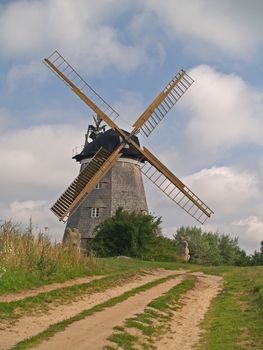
98, 186
95, 212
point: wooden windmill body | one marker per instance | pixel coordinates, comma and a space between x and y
122, 186
104, 160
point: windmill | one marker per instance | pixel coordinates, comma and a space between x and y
104, 160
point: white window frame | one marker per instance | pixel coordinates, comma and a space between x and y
98, 186
95, 212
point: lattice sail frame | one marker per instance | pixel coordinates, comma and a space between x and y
151, 167
163, 103
59, 62
174, 188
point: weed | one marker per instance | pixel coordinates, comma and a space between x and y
28, 260
123, 338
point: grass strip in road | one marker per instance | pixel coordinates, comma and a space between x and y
43, 301
118, 270
18, 279
152, 322
60, 326
235, 319
133, 264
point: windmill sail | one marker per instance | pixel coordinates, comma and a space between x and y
59, 66
57, 63
153, 115
100, 164
174, 188
84, 182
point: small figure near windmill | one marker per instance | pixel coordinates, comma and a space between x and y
72, 238
111, 150
184, 249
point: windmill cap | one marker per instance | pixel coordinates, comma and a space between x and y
109, 140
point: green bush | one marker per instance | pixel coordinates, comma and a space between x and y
209, 248
132, 234
257, 257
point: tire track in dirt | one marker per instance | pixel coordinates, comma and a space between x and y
92, 332
184, 330
6, 298
27, 326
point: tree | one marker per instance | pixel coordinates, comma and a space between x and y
211, 248
132, 234
257, 257
203, 247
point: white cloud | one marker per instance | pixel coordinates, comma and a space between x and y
225, 111
26, 206
233, 195
230, 192
7, 120
260, 170
129, 106
82, 30
20, 212
93, 35
211, 26
36, 167
250, 232
25, 75
37, 159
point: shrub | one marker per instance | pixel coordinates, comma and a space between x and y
132, 234
257, 257
211, 248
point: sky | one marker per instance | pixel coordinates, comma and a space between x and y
128, 50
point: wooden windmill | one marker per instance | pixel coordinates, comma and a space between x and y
103, 160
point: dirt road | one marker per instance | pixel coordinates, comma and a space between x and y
15, 331
184, 331
92, 332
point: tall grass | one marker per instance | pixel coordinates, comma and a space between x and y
28, 260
